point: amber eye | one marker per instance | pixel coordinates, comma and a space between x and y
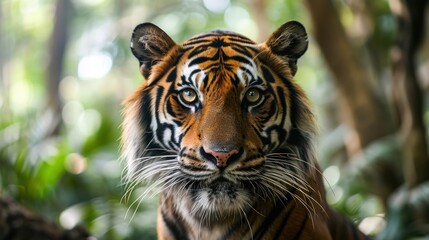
188, 95
253, 95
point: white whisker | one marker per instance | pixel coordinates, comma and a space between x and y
247, 220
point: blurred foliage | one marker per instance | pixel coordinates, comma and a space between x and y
75, 177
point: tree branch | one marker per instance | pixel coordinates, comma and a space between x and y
17, 223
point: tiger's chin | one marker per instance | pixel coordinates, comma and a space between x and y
216, 201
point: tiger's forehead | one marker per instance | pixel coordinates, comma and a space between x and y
223, 57
213, 37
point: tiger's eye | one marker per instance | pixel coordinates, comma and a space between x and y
189, 95
253, 95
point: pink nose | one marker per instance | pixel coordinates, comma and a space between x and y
221, 157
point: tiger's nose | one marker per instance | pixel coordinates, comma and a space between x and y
221, 157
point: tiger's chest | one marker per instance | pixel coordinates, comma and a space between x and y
263, 220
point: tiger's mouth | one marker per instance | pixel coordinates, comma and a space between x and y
220, 198
215, 184
222, 187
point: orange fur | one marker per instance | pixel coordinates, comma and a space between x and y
228, 166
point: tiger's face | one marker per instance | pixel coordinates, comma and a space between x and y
219, 121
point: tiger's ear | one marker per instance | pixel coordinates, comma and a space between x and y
290, 42
149, 44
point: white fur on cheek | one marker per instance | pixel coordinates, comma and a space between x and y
131, 138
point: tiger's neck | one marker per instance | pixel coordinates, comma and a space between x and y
287, 218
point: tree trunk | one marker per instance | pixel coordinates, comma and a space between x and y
258, 8
54, 71
407, 92
4, 83
365, 113
408, 215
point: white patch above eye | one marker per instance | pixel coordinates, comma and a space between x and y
247, 73
248, 76
194, 76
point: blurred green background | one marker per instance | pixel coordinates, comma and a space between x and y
59, 137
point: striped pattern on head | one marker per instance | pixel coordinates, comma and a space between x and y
220, 129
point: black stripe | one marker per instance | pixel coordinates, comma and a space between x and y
146, 119
199, 60
275, 212
301, 229
169, 108
182, 151
243, 50
209, 87
175, 228
257, 81
197, 50
239, 42
271, 111
190, 157
284, 220
160, 128
278, 130
282, 99
267, 74
145, 116
194, 169
158, 97
196, 71
195, 41
172, 76
240, 59
240, 39
232, 230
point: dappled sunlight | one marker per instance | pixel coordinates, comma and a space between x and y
60, 126
332, 175
238, 19
22, 96
72, 110
76, 163
94, 66
372, 225
90, 3
70, 217
171, 21
217, 6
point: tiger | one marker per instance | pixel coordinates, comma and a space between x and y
223, 134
